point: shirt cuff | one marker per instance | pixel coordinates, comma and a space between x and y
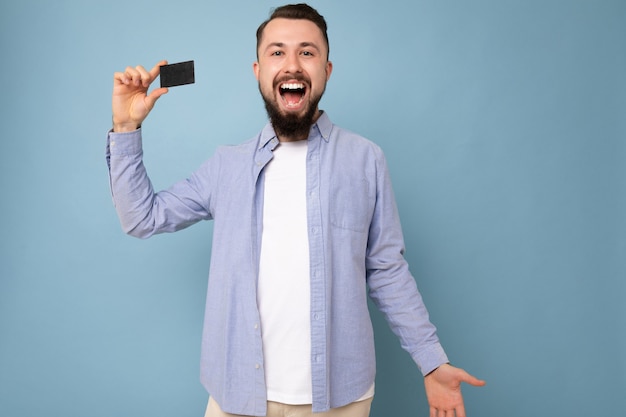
125, 143
430, 359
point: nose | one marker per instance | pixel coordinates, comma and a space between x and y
292, 64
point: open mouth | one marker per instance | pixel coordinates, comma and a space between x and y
292, 94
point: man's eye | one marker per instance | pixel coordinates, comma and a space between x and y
307, 53
277, 53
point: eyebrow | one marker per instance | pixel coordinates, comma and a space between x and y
301, 45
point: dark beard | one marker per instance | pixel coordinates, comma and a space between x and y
291, 125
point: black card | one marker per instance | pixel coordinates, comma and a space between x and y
177, 74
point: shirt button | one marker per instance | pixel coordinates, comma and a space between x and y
257, 366
256, 326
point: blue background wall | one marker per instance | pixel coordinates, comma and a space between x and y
505, 126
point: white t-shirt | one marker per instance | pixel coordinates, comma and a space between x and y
284, 286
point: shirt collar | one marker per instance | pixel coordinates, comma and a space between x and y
323, 124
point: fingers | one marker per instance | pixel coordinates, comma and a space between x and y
458, 412
121, 78
138, 76
435, 412
130, 77
154, 72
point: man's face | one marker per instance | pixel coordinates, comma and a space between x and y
292, 70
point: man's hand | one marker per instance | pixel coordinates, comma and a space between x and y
443, 390
131, 101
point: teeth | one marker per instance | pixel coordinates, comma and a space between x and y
292, 86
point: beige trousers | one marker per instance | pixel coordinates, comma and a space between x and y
357, 409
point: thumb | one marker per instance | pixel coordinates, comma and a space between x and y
152, 98
472, 380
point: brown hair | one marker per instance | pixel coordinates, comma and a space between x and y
295, 11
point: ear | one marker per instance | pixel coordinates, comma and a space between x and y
329, 69
255, 68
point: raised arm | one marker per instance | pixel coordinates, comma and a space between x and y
143, 212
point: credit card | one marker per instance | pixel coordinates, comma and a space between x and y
181, 73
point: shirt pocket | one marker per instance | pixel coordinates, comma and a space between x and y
352, 204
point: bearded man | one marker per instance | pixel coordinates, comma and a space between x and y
305, 228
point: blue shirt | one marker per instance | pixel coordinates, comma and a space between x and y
355, 244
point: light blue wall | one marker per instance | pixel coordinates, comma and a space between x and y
504, 123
